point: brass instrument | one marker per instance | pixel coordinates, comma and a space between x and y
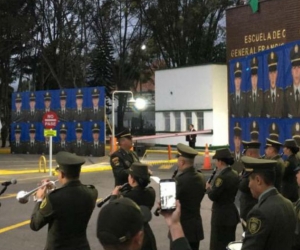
23, 196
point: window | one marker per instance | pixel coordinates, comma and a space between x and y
200, 121
177, 121
167, 121
188, 119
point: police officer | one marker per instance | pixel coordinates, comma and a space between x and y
96, 148
18, 115
44, 146
274, 131
32, 115
225, 215
79, 113
96, 113
32, 146
64, 114
273, 97
272, 149
62, 145
141, 194
247, 201
289, 184
237, 140
238, 98
79, 146
17, 147
254, 131
292, 93
190, 187
122, 159
296, 246
47, 104
66, 210
270, 223
255, 95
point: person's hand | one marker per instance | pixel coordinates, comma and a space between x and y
208, 186
42, 191
116, 190
172, 217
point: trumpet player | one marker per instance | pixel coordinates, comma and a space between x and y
66, 210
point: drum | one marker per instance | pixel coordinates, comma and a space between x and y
235, 245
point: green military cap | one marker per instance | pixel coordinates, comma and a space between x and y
124, 134
18, 97
254, 131
95, 128
32, 128
79, 94
291, 144
63, 129
32, 97
18, 129
95, 93
68, 162
272, 143
63, 95
274, 131
254, 165
138, 169
237, 130
78, 127
238, 69
222, 153
186, 151
47, 96
120, 220
251, 144
295, 55
272, 61
254, 66
296, 132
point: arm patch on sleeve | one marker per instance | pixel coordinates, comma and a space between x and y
254, 225
218, 182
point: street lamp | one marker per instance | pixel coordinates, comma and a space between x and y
131, 101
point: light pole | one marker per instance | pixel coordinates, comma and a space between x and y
113, 114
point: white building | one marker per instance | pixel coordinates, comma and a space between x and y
192, 95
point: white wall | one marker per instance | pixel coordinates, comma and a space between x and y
193, 89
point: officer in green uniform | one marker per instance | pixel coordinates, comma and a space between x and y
289, 184
272, 153
238, 98
122, 159
17, 146
142, 195
32, 146
255, 95
66, 210
120, 226
254, 131
237, 140
247, 201
292, 92
297, 208
271, 223
225, 215
273, 97
274, 131
190, 192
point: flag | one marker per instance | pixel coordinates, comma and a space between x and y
254, 5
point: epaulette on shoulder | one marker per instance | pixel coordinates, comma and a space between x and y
90, 186
56, 190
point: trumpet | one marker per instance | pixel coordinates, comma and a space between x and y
23, 196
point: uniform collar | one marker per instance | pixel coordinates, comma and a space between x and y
72, 183
269, 192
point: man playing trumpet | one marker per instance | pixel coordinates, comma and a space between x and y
66, 210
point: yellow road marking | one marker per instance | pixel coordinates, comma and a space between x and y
5, 229
8, 196
168, 166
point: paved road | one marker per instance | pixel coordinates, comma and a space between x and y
14, 229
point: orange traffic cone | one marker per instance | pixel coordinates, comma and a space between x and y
169, 152
206, 163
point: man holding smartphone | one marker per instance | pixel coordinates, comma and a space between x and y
190, 191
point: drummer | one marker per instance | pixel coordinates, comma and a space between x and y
271, 222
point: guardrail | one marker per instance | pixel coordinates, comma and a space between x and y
43, 164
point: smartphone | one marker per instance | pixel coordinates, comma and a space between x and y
167, 191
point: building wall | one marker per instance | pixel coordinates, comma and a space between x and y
276, 23
200, 92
